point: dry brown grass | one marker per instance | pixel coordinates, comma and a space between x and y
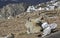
17, 27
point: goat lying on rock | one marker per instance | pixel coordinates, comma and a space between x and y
48, 28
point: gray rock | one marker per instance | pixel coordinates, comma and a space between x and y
13, 10
54, 35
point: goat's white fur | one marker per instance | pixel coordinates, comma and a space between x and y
32, 26
47, 30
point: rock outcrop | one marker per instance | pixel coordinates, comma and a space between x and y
12, 9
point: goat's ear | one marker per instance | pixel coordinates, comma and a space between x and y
28, 18
42, 18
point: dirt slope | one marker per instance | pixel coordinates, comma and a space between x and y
17, 27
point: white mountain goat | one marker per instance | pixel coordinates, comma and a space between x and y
48, 28
33, 25
45, 25
31, 8
46, 31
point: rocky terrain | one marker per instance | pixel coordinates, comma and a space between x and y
16, 25
54, 35
12, 10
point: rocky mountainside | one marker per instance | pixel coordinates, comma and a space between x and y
16, 25
12, 10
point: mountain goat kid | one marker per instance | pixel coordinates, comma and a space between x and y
33, 25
